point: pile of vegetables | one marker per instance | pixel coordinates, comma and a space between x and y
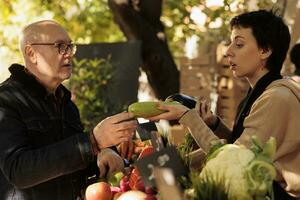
123, 186
230, 172
234, 172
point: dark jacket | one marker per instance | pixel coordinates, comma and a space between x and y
44, 153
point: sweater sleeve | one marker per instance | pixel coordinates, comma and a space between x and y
222, 130
203, 136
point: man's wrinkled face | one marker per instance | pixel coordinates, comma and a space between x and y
51, 63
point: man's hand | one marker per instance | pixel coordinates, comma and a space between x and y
114, 130
128, 148
109, 162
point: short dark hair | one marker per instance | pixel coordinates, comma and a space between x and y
295, 55
269, 31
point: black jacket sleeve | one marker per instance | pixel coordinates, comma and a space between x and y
25, 166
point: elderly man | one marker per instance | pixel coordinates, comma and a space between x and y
44, 153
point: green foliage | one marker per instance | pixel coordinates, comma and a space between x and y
185, 148
180, 25
208, 188
89, 86
92, 21
86, 21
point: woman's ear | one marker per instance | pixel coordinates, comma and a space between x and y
265, 53
30, 54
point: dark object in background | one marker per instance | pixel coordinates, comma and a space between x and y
140, 20
144, 130
185, 100
125, 57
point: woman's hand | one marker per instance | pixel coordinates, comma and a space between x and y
174, 112
203, 109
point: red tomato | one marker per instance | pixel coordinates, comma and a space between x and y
134, 176
148, 150
98, 191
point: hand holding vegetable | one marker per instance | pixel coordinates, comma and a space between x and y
149, 109
115, 129
172, 112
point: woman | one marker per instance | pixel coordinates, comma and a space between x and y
259, 44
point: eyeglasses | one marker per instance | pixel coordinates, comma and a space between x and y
63, 48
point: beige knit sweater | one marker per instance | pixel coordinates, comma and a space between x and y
275, 113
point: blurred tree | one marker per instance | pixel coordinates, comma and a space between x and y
91, 21
207, 19
140, 20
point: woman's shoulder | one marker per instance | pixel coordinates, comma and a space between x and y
281, 93
284, 88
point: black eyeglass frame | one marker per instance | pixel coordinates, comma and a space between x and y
63, 48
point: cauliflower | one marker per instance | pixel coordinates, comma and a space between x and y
244, 173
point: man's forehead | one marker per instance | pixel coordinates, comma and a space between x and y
46, 32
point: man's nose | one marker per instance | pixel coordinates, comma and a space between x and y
68, 54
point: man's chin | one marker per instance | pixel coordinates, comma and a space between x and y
66, 74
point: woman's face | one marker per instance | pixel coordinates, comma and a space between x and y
246, 59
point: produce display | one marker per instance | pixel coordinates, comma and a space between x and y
126, 186
230, 171
235, 172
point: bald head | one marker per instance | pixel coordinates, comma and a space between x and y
39, 32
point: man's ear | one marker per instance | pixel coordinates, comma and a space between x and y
30, 54
265, 53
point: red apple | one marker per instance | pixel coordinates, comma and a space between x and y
98, 191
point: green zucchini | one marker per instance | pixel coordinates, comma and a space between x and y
148, 108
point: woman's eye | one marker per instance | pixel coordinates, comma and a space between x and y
239, 45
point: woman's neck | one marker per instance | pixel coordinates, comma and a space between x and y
253, 79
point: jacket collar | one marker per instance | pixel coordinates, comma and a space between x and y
30, 83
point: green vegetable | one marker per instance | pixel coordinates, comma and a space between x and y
115, 178
148, 108
249, 173
208, 187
